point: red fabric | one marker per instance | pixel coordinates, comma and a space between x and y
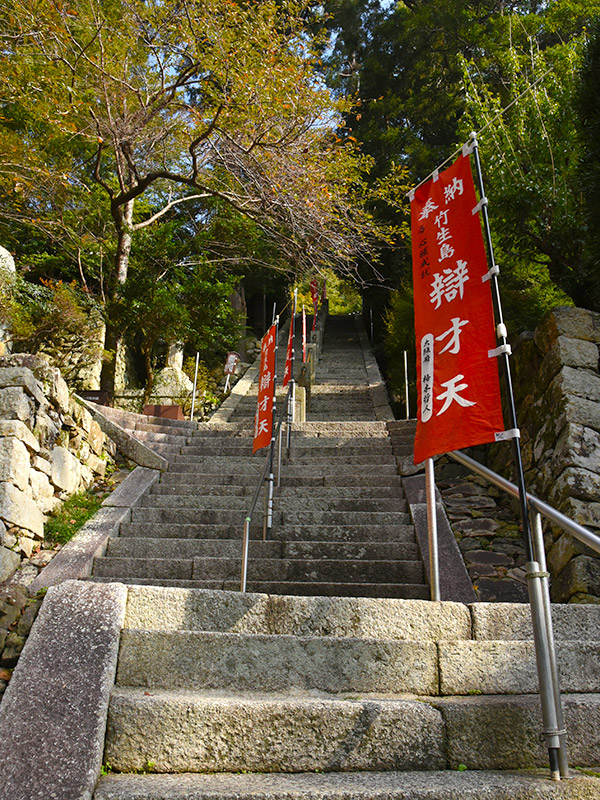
458, 389
263, 421
287, 373
303, 334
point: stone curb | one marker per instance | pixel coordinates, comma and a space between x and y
55, 708
76, 558
455, 583
377, 390
127, 443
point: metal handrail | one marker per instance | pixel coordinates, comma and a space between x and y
540, 599
261, 482
584, 535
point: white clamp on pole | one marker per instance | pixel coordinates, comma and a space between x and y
495, 270
504, 436
499, 351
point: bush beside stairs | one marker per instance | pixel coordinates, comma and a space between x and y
333, 676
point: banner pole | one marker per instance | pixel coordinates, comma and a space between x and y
434, 567
292, 390
542, 632
195, 385
271, 476
406, 385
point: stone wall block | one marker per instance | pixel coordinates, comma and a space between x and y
583, 412
9, 561
66, 470
566, 352
17, 509
574, 482
96, 437
14, 462
23, 378
20, 431
576, 323
42, 491
585, 513
580, 576
563, 550
42, 464
15, 404
46, 429
97, 465
578, 446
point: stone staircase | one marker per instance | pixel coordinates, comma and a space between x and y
333, 677
341, 525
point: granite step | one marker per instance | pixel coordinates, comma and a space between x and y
141, 547
291, 533
285, 503
269, 570
391, 785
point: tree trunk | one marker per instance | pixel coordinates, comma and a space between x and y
123, 217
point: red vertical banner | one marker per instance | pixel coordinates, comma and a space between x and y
287, 372
303, 334
263, 421
459, 401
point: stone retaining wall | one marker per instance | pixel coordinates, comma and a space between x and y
557, 390
50, 448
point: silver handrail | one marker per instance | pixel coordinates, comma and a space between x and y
540, 599
584, 535
261, 482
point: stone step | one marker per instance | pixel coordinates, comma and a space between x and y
156, 608
285, 503
291, 533
146, 547
392, 785
254, 466
356, 590
222, 516
332, 479
179, 731
298, 450
230, 490
268, 663
270, 570
316, 459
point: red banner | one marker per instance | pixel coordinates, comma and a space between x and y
287, 373
457, 378
303, 334
263, 421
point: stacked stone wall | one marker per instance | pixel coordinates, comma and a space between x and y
50, 448
557, 390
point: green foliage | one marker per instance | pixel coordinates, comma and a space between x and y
53, 318
343, 294
64, 523
400, 336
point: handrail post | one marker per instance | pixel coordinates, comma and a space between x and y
245, 547
551, 730
434, 569
540, 555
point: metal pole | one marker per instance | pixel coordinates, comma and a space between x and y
371, 317
540, 555
279, 443
406, 385
434, 568
195, 384
245, 543
292, 389
534, 583
226, 383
